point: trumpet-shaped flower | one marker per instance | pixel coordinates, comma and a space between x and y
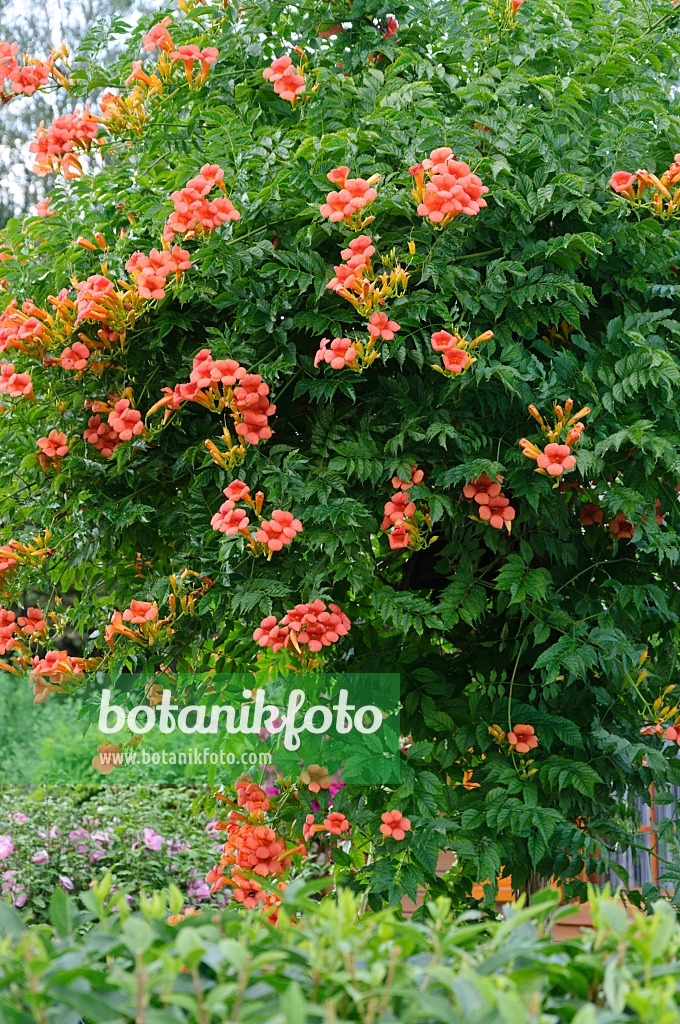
620, 527
556, 459
341, 352
380, 326
140, 612
394, 825
280, 531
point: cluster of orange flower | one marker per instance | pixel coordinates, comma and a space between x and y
54, 673
311, 625
363, 286
399, 520
57, 146
16, 632
252, 853
494, 508
455, 351
556, 458
218, 384
288, 81
15, 553
131, 111
347, 204
452, 188
272, 535
144, 615
28, 75
644, 189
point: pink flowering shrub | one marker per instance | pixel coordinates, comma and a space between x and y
132, 831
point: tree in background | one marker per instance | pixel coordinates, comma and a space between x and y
363, 274
92, 30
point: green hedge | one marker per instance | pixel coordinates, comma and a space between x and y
332, 966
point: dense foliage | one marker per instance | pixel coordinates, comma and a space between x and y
218, 967
519, 621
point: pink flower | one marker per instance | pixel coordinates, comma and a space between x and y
454, 356
270, 634
556, 459
288, 84
75, 357
6, 847
252, 402
483, 488
152, 840
102, 436
125, 421
352, 197
7, 629
279, 67
309, 828
209, 373
42, 209
399, 537
416, 478
394, 824
66, 883
379, 326
456, 360
360, 249
338, 176
390, 29
399, 507
54, 446
497, 512
41, 857
336, 823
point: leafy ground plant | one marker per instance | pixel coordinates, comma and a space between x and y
331, 967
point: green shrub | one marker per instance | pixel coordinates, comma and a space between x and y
543, 626
332, 966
